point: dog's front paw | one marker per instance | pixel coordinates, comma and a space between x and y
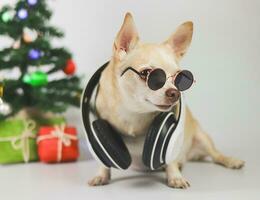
231, 162
99, 180
178, 182
234, 163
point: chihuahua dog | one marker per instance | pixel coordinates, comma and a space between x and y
130, 106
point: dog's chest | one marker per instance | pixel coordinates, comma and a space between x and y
134, 137
133, 129
133, 125
135, 146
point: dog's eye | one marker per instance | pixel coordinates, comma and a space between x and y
144, 73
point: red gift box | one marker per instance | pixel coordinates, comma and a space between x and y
57, 144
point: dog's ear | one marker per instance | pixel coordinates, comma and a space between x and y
181, 39
126, 38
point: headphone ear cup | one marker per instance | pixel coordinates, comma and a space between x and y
154, 140
109, 146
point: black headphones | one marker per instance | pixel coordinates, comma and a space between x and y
162, 143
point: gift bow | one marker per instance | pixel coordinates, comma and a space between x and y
22, 141
63, 138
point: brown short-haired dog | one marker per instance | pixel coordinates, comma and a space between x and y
133, 105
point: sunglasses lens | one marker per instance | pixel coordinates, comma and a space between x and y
184, 80
156, 79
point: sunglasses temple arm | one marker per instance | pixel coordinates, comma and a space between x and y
130, 68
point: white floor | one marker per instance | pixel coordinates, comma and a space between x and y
36, 181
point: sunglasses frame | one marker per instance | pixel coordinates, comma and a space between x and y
172, 76
177, 73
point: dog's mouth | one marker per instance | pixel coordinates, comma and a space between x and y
161, 106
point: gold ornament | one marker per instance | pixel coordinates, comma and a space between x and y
1, 89
5, 108
17, 44
29, 35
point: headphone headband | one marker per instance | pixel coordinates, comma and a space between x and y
85, 101
93, 82
86, 97
164, 138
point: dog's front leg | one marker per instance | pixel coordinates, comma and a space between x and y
174, 176
102, 178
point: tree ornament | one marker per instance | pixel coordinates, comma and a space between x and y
7, 16
34, 54
1, 89
36, 79
32, 47
70, 67
5, 108
29, 35
17, 44
22, 14
32, 2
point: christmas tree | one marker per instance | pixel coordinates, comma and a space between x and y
39, 64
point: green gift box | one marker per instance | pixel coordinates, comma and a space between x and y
18, 141
18, 138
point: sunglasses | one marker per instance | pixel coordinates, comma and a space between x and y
156, 78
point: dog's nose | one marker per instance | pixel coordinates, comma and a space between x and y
173, 94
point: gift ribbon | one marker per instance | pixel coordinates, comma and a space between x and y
63, 138
22, 141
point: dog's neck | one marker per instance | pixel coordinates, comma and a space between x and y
112, 107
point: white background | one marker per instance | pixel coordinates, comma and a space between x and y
224, 57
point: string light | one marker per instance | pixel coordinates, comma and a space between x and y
6, 17
22, 14
34, 54
32, 2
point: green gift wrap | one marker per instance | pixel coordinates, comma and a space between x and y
18, 141
18, 138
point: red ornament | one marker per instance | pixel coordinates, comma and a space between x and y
57, 144
70, 67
